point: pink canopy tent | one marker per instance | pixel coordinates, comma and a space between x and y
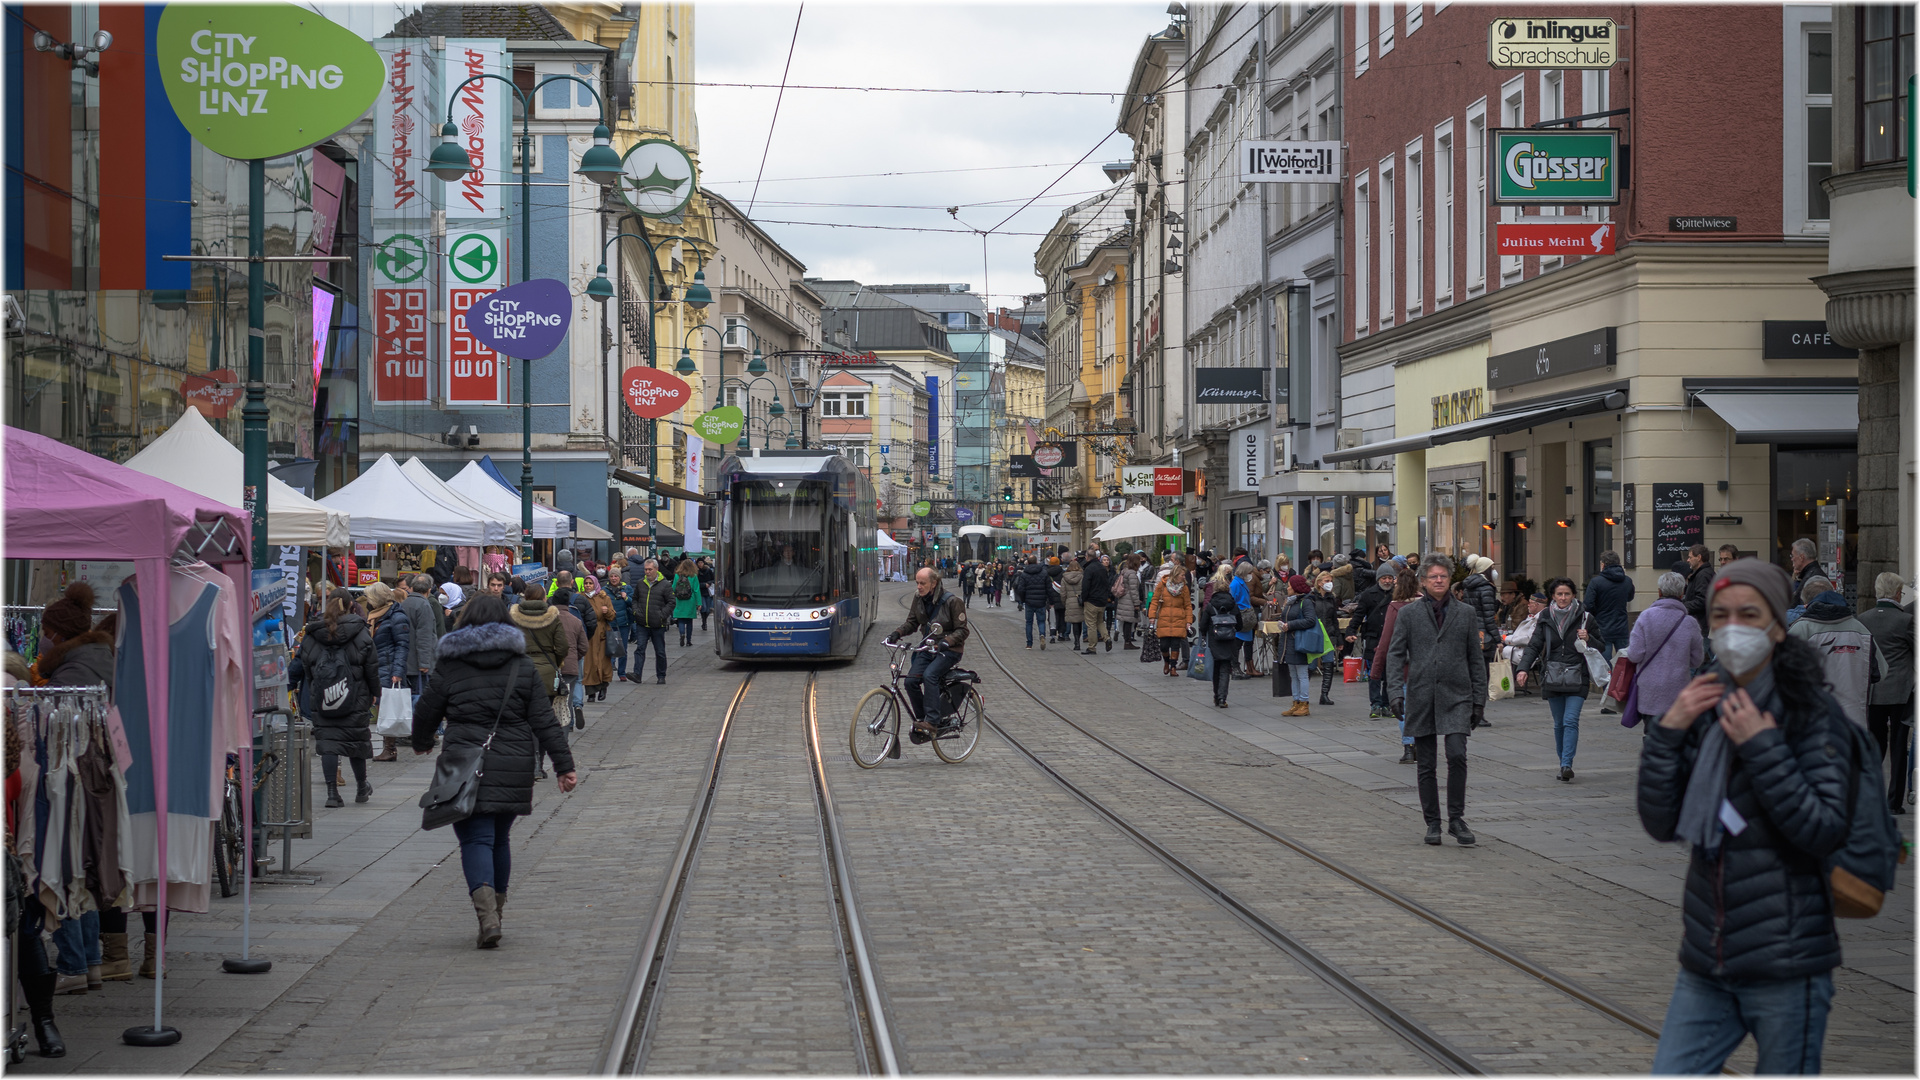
64, 503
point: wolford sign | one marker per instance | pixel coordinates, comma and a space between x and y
526, 321
255, 81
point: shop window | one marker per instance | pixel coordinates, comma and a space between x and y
1513, 518
1329, 534
1601, 524
1456, 502
1806, 482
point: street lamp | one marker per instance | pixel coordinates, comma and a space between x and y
805, 395
601, 164
755, 367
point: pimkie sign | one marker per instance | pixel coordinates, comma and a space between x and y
1533, 167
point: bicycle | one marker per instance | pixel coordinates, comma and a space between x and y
874, 734
229, 844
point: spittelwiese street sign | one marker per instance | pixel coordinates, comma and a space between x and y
1535, 167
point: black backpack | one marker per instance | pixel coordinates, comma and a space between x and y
332, 680
1861, 872
683, 589
1223, 619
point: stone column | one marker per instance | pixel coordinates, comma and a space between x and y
1872, 310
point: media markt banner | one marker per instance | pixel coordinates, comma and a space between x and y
482, 110
1534, 168
475, 269
404, 129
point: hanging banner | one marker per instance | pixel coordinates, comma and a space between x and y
722, 425
475, 270
1249, 457
652, 393
482, 111
1049, 455
1023, 467
214, 393
1135, 480
1169, 480
525, 321
695, 448
933, 425
403, 129
1534, 237
400, 320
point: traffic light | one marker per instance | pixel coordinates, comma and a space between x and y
1006, 493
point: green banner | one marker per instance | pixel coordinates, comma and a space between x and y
1538, 167
263, 80
721, 425
922, 508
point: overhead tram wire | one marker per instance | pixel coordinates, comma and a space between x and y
791, 44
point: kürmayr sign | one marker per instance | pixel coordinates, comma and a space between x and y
1290, 162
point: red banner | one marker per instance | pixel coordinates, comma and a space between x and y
997, 520
1557, 238
400, 347
473, 370
1168, 481
214, 393
652, 393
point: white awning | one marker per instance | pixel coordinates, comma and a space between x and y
1793, 417
1136, 521
502, 504
888, 543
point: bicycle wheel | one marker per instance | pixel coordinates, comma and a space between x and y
225, 867
875, 727
954, 746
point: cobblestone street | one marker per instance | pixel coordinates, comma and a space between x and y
1012, 928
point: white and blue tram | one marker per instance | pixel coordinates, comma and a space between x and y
798, 562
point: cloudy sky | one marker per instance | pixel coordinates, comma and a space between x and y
985, 154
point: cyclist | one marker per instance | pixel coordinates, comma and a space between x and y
944, 618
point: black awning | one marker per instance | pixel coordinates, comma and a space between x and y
1498, 423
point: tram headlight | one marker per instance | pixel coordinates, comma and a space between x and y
740, 613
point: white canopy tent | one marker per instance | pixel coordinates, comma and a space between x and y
1135, 521
387, 506
192, 455
423, 478
888, 543
474, 484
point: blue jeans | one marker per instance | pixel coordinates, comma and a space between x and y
923, 684
78, 942
485, 851
1566, 725
617, 642
1302, 677
1036, 615
577, 692
1707, 1018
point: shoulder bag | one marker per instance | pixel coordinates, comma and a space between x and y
455, 790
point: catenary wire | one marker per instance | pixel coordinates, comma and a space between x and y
764, 150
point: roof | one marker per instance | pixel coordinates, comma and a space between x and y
515, 22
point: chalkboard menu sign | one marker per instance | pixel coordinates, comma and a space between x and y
1679, 522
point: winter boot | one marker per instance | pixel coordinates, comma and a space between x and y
500, 906
114, 964
389, 750
579, 718
487, 906
1406, 754
364, 792
333, 793
1326, 687
148, 965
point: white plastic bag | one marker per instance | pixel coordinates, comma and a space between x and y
1597, 666
396, 713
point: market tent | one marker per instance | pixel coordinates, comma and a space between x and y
479, 486
387, 506
498, 527
888, 543
192, 455
587, 530
1136, 521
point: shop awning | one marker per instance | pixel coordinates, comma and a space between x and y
1498, 423
1799, 417
1315, 483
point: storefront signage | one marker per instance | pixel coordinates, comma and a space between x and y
656, 178
943, 532
1169, 480
1704, 223
922, 508
475, 271
1229, 386
1050, 455
525, 321
1534, 167
652, 393
1567, 356
1552, 43
1559, 238
403, 128
1136, 481
1679, 522
262, 80
1629, 525
1801, 340
1290, 162
1023, 467
1249, 457
482, 112
1458, 407
722, 425
851, 359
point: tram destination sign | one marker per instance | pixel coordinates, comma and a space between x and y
1532, 167
1552, 42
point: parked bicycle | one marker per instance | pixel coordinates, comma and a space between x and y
229, 832
874, 734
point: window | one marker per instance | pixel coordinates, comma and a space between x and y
1886, 63
1416, 224
1386, 243
735, 396
1413, 18
1443, 213
1513, 114
1819, 106
1386, 29
851, 403
1362, 36
1553, 106
736, 332
1596, 95
1362, 253
1477, 197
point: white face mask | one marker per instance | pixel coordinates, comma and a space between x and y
1741, 648
1327, 586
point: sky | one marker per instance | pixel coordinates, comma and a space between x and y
984, 154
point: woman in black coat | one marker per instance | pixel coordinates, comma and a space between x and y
341, 634
485, 688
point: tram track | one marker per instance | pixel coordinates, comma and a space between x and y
644, 1030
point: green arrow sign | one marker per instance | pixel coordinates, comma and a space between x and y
922, 508
402, 259
721, 425
263, 80
474, 258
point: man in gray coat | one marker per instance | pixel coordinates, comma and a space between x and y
1436, 675
1890, 709
412, 597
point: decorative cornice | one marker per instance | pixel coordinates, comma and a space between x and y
1870, 309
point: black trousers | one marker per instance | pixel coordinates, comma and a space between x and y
1426, 769
1222, 672
1891, 726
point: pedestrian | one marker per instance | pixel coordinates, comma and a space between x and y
1058, 600
1890, 712
1096, 596
1478, 587
488, 695
1381, 553
969, 577
1369, 621
1699, 574
1804, 594
341, 669
1608, 593
686, 599
1561, 638
1257, 584
1342, 572
410, 594
1666, 646
1437, 675
1752, 767
1327, 605
1221, 624
546, 645
1848, 652
497, 582
1299, 614
652, 610
1170, 615
1032, 593
1511, 610
392, 634
596, 671
620, 634
1128, 598
569, 714
453, 600
703, 569
997, 584
1522, 631
1074, 614
1726, 553
1804, 555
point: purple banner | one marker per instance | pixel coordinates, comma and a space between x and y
525, 321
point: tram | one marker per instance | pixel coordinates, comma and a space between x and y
797, 572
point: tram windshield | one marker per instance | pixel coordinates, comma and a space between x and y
778, 553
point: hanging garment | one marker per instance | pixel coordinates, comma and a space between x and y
106, 812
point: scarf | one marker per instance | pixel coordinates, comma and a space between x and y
1700, 823
1561, 617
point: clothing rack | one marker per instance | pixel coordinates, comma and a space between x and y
29, 616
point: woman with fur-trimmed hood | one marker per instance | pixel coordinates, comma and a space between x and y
73, 653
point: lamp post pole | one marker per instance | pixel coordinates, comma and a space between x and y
254, 415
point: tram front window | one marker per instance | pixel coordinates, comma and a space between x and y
778, 555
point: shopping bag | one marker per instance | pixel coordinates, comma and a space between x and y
1202, 657
1150, 650
1596, 665
396, 713
1500, 680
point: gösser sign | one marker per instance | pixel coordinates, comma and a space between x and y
1543, 168
1551, 43
257, 81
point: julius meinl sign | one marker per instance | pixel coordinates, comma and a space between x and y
1533, 167
1522, 42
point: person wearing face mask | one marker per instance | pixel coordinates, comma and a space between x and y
1751, 765
1558, 636
1369, 618
1666, 646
